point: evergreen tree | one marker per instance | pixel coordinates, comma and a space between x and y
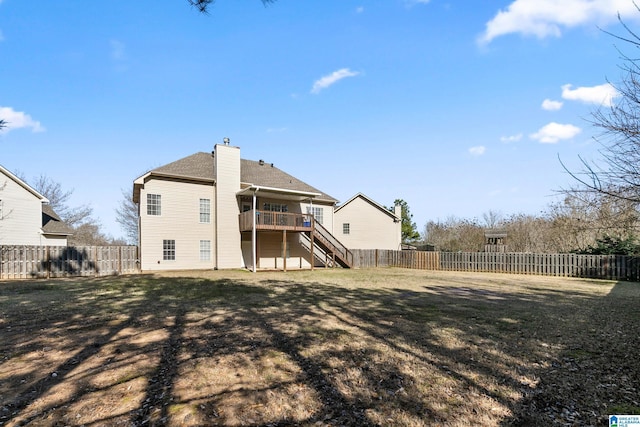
409, 229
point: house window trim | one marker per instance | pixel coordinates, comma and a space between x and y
168, 249
205, 211
275, 207
205, 249
154, 204
317, 212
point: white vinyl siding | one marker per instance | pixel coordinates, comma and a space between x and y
180, 221
228, 237
271, 256
205, 211
21, 222
370, 226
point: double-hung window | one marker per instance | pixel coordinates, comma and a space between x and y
154, 204
345, 228
205, 250
205, 211
169, 250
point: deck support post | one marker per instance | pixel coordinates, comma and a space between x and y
253, 233
313, 225
284, 249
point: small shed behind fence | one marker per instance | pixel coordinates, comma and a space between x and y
495, 240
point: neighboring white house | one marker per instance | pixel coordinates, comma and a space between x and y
362, 223
25, 216
216, 210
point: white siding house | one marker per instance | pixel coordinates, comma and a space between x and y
362, 223
25, 217
217, 210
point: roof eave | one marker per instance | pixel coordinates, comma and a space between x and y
251, 189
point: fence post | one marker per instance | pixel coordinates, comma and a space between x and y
48, 262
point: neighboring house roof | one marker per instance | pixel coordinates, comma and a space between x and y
52, 224
23, 184
370, 201
495, 232
199, 166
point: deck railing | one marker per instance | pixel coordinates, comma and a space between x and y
278, 221
267, 220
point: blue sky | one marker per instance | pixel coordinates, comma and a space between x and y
457, 107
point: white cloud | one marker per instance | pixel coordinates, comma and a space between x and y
360, 9
477, 151
554, 132
602, 94
551, 105
548, 18
511, 138
17, 120
328, 80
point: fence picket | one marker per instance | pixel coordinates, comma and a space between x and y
612, 267
24, 262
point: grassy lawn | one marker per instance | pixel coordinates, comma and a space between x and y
324, 348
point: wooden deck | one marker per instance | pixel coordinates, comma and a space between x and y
302, 223
276, 221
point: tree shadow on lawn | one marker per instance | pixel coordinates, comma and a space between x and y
596, 373
143, 350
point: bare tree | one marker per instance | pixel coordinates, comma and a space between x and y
127, 217
454, 234
492, 219
59, 202
617, 173
203, 5
90, 233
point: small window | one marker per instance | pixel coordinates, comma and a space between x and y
205, 250
169, 250
153, 204
205, 211
317, 213
345, 228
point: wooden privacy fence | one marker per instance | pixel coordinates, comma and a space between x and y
615, 267
23, 262
367, 258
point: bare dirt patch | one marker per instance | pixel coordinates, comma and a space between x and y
335, 347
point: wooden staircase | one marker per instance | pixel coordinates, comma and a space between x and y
336, 254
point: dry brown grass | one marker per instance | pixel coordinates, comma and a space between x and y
336, 347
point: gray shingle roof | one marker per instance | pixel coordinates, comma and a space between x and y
200, 166
52, 224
